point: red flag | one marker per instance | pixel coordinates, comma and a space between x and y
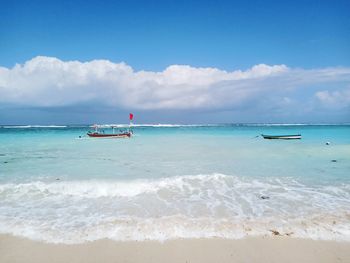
131, 116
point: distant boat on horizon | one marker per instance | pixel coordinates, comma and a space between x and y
282, 137
123, 134
97, 134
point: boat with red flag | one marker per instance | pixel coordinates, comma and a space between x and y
122, 134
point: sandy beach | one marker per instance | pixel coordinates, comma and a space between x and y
259, 249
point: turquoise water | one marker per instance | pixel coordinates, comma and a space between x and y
175, 182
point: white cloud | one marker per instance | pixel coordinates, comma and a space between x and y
48, 81
335, 99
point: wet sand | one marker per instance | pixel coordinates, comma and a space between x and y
254, 249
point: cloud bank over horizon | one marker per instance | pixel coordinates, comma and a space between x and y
50, 82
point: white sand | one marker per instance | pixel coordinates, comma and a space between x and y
262, 249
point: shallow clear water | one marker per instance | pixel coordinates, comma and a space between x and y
175, 181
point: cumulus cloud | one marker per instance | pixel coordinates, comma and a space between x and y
51, 82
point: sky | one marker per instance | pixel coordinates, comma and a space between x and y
80, 62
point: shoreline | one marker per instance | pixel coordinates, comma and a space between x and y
251, 249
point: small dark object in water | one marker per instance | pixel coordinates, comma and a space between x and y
334, 161
275, 232
57, 179
79, 136
328, 143
5, 162
264, 197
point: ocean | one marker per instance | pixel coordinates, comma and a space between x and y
175, 181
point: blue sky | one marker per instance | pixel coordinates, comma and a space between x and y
153, 35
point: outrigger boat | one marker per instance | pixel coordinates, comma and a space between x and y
123, 134
282, 137
97, 134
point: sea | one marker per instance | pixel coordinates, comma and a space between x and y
175, 181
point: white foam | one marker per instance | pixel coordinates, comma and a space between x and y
166, 125
159, 125
33, 126
195, 206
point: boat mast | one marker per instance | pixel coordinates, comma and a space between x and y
131, 116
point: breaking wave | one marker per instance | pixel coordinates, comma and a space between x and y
194, 206
32, 126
